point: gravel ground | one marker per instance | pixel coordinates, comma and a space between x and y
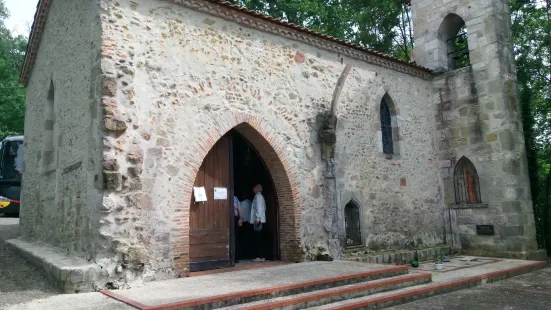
19, 280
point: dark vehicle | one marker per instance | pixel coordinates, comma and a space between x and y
11, 172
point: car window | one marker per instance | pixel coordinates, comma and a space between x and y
12, 160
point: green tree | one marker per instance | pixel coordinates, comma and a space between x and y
375, 24
531, 35
12, 93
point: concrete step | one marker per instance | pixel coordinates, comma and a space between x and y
70, 274
270, 292
331, 295
394, 257
413, 293
380, 300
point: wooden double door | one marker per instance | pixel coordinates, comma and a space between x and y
212, 235
211, 221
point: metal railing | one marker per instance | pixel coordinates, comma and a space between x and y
459, 54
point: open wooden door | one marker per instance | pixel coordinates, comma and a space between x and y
210, 221
272, 220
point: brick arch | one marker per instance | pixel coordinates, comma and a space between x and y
271, 149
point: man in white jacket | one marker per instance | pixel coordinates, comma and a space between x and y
258, 217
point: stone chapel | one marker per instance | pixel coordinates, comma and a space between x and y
132, 106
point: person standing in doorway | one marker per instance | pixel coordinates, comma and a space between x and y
247, 227
258, 217
237, 224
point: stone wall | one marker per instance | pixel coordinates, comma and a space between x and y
62, 156
400, 198
478, 116
181, 79
142, 91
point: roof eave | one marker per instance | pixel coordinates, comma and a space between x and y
42, 12
34, 40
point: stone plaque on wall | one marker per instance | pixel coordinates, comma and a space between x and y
485, 230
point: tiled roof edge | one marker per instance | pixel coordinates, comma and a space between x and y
252, 19
259, 21
34, 40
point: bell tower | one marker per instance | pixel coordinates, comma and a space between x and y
482, 157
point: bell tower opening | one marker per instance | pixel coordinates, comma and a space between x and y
453, 42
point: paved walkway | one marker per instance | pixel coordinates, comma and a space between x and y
23, 286
19, 280
460, 270
530, 291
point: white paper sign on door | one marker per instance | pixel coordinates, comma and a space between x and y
220, 193
200, 194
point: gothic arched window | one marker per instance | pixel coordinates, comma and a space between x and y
467, 190
386, 128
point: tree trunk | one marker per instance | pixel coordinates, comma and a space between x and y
546, 214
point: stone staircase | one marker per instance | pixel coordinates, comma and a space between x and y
298, 286
330, 296
323, 292
374, 289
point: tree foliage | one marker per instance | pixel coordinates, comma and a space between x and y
532, 38
384, 25
12, 93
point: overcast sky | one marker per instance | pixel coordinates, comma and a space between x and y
21, 15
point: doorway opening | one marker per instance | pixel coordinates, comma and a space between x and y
239, 160
352, 224
248, 170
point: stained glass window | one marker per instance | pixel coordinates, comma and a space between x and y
386, 129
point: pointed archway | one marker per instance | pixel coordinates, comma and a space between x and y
271, 150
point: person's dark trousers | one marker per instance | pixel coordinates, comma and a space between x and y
248, 241
259, 243
237, 240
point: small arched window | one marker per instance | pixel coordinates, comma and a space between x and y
453, 43
467, 189
352, 224
386, 128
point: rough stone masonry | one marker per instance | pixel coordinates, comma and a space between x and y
141, 90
